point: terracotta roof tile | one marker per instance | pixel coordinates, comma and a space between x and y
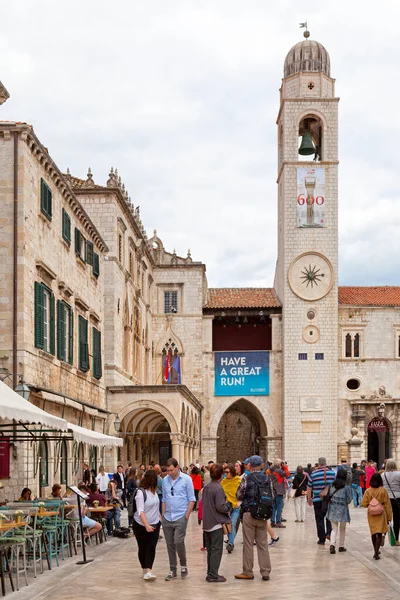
370, 296
242, 298
77, 183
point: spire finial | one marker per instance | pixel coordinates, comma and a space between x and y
112, 180
304, 25
89, 181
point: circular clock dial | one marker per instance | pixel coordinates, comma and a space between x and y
311, 276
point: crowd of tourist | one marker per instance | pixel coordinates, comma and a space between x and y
249, 494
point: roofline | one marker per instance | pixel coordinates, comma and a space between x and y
42, 155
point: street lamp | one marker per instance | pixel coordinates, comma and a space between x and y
23, 390
117, 424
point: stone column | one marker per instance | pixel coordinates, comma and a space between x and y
175, 445
186, 455
355, 446
273, 448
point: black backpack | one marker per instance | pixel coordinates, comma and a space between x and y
132, 501
261, 508
122, 532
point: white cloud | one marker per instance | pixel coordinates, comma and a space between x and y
182, 97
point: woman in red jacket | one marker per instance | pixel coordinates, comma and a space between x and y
197, 483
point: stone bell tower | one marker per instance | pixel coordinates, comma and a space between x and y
306, 273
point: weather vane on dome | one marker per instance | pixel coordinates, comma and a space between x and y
304, 26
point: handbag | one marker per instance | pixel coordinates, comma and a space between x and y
392, 537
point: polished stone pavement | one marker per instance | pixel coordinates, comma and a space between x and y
300, 568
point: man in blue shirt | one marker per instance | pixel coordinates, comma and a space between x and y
319, 479
178, 500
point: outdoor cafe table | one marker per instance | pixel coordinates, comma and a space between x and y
3, 553
97, 513
48, 513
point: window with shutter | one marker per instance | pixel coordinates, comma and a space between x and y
89, 253
83, 356
96, 351
61, 329
52, 332
39, 315
66, 227
44, 318
77, 241
71, 337
46, 199
96, 264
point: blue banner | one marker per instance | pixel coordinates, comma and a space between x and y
241, 373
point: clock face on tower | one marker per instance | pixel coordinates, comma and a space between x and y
311, 276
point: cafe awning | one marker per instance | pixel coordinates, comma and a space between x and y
95, 438
13, 406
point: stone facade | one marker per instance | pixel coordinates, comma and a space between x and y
158, 320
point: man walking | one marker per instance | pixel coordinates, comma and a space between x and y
178, 500
119, 477
254, 530
278, 475
319, 479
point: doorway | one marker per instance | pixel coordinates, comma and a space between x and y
240, 432
378, 440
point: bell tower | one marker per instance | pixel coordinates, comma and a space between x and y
306, 272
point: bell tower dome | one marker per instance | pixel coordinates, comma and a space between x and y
306, 272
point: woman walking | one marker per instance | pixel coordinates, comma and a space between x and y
391, 482
338, 509
215, 514
230, 486
146, 522
197, 484
376, 498
300, 482
102, 480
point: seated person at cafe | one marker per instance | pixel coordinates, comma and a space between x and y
94, 526
25, 495
94, 495
113, 498
55, 492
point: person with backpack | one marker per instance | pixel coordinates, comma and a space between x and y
339, 498
146, 522
377, 500
256, 494
320, 478
346, 467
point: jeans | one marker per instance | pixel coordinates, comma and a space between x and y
214, 545
113, 515
320, 522
147, 543
234, 517
277, 508
357, 494
174, 534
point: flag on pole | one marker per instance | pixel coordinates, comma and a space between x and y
167, 369
176, 365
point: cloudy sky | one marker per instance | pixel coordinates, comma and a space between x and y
182, 97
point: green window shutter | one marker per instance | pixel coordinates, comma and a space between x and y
83, 344
77, 241
46, 199
89, 253
96, 340
71, 337
39, 315
96, 264
66, 227
61, 315
52, 325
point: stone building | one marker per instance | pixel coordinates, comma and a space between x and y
300, 370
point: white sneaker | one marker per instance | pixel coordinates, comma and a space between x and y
149, 576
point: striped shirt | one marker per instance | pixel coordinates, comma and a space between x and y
318, 480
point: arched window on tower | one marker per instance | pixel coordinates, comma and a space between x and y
171, 364
352, 344
310, 139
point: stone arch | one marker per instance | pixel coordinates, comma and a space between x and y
226, 404
241, 431
150, 406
